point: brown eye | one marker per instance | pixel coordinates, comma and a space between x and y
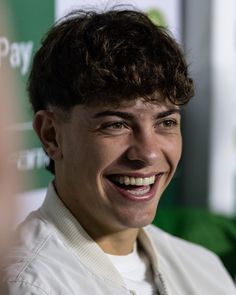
115, 125
169, 123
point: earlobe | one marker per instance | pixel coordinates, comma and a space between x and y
47, 130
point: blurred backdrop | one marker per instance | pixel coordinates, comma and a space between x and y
200, 203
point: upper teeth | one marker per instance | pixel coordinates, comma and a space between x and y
127, 180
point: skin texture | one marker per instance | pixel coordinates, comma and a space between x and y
136, 139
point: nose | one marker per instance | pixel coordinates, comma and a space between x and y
144, 148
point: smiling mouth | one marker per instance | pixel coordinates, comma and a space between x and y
135, 187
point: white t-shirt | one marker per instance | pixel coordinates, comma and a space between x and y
136, 271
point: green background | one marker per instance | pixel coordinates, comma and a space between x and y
31, 19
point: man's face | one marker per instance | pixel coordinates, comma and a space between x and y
116, 162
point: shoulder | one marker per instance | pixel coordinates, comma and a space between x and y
22, 288
30, 256
168, 244
188, 264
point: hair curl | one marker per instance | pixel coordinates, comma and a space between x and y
107, 58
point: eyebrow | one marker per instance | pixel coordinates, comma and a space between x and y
130, 116
107, 113
168, 113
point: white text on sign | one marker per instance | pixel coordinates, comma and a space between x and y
17, 53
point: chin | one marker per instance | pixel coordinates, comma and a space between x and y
139, 219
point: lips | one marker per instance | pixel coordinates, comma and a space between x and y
135, 188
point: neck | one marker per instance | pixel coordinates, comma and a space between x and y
119, 243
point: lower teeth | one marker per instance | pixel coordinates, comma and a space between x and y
140, 192
135, 190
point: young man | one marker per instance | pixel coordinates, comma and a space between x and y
106, 89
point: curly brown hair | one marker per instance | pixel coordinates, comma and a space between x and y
107, 58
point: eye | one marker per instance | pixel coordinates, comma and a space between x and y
115, 125
169, 123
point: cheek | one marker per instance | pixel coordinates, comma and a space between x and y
105, 153
179, 148
92, 156
174, 150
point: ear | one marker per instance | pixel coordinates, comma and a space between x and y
47, 129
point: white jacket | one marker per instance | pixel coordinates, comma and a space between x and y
55, 256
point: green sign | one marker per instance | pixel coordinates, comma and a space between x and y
30, 19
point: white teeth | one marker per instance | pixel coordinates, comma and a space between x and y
132, 180
126, 180
140, 192
146, 181
138, 181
